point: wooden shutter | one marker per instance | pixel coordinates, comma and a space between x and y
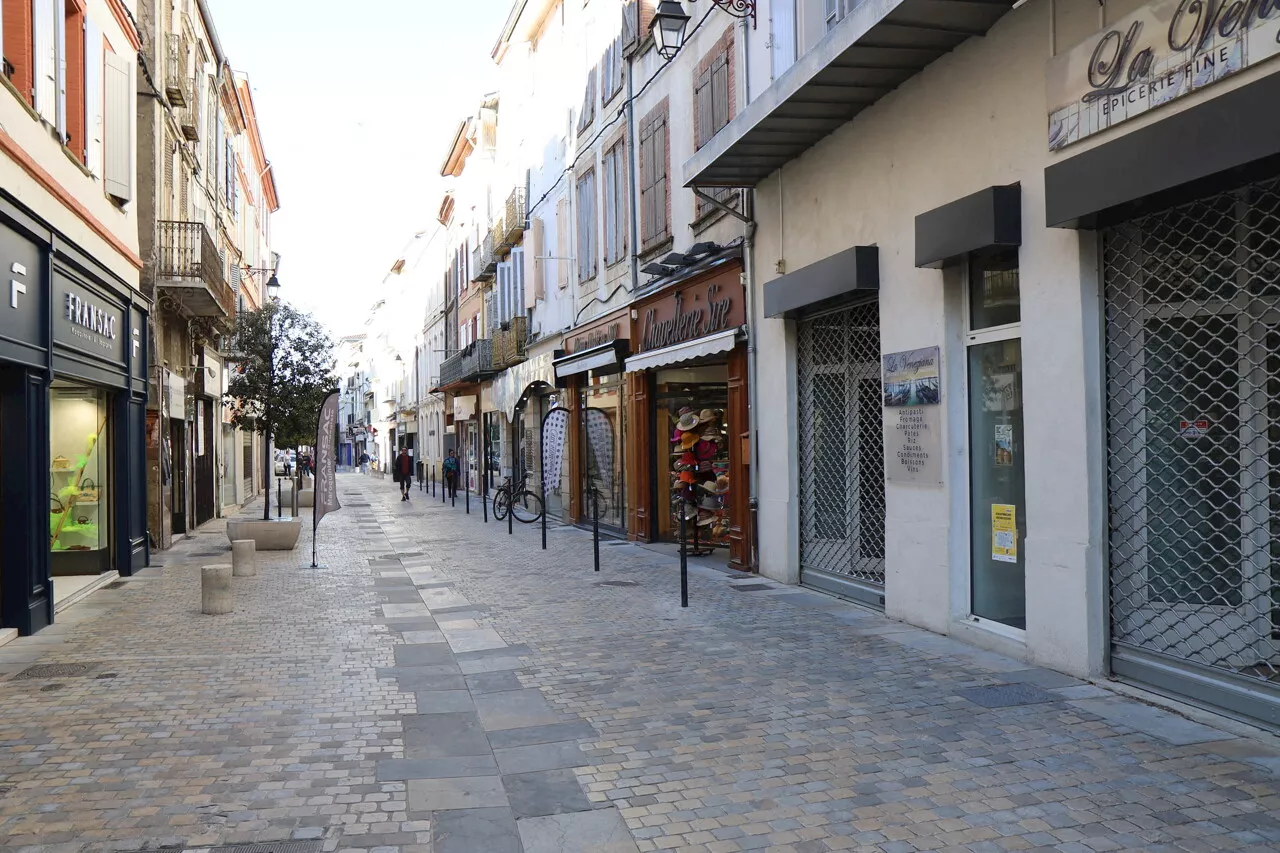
45, 61
562, 242
534, 268
60, 66
93, 97
630, 20
610, 206
620, 216
702, 105
646, 182
118, 145
783, 21
659, 143
720, 93
517, 282
167, 188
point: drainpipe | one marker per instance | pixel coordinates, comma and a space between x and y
632, 156
749, 273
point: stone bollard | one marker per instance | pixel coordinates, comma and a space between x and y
244, 558
215, 589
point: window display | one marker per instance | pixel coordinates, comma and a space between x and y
694, 453
602, 437
78, 478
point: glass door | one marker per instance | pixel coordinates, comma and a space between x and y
79, 480
997, 477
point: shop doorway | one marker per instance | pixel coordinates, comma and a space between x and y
692, 457
204, 457
80, 485
178, 444
1193, 425
841, 453
601, 410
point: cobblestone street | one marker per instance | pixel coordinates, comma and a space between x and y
438, 685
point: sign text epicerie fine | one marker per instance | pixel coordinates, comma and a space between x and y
1158, 53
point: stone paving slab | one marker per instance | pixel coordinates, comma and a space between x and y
768, 720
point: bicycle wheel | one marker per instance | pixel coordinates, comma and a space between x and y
500, 505
527, 508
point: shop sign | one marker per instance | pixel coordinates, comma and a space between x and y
1157, 54
23, 294
606, 334
913, 420
87, 322
691, 313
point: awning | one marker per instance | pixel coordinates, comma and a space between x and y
990, 218
605, 358
851, 273
509, 386
464, 408
687, 351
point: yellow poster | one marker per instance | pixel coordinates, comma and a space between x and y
1004, 533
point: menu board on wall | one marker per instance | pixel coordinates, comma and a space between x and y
913, 419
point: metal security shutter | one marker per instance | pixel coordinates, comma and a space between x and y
1193, 427
842, 503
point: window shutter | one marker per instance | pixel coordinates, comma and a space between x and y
60, 69
118, 170
621, 218
517, 281
702, 104
719, 94
562, 243
184, 183
659, 143
166, 200
609, 207
630, 12
534, 266
93, 97
783, 22
45, 37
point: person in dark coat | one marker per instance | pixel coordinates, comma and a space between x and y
402, 472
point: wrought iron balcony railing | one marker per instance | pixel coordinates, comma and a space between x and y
189, 268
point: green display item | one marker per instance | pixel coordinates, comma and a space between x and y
68, 492
81, 460
54, 518
76, 527
58, 546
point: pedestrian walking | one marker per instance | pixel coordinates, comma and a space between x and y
402, 472
451, 474
364, 462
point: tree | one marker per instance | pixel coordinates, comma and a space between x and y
285, 372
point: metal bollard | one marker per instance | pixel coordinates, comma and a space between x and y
279, 497
684, 555
215, 589
244, 558
296, 486
595, 525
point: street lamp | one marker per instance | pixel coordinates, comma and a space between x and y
668, 25
273, 287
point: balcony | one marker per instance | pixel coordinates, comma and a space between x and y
874, 50
513, 219
177, 81
509, 343
189, 123
484, 261
473, 363
189, 270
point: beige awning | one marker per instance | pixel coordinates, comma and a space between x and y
687, 351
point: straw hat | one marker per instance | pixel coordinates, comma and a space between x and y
706, 416
688, 440
687, 422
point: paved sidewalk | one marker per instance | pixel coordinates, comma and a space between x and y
441, 686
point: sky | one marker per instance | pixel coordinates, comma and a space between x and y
356, 103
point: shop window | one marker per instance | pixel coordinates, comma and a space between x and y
79, 479
996, 444
693, 448
602, 432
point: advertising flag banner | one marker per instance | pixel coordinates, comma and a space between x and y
326, 498
554, 428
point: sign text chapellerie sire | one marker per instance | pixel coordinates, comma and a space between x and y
1155, 55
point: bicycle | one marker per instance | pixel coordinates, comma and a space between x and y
525, 503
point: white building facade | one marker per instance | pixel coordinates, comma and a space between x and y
1018, 348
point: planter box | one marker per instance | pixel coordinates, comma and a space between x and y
279, 534
307, 497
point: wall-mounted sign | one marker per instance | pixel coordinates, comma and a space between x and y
24, 293
87, 322
911, 378
1157, 54
594, 337
685, 313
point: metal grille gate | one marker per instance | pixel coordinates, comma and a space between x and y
1193, 428
841, 444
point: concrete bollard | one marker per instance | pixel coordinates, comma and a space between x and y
215, 589
244, 558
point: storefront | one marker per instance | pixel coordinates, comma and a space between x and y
522, 395
1189, 244
688, 406
590, 372
73, 347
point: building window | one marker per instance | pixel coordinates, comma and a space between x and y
611, 71
615, 204
713, 104
835, 11
654, 204
586, 227
997, 447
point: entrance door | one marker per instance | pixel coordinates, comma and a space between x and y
204, 455
1193, 422
841, 453
178, 443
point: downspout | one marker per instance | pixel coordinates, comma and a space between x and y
749, 273
632, 156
